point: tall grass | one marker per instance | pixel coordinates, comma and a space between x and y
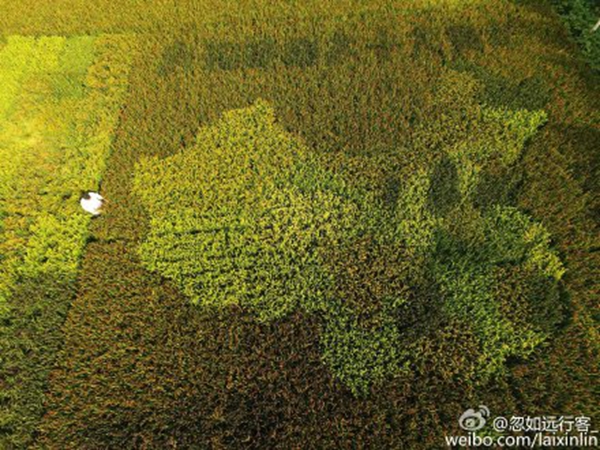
372, 92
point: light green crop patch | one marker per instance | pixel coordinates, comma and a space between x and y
236, 219
59, 105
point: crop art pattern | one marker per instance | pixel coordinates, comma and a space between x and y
250, 217
404, 225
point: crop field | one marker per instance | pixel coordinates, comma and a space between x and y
328, 225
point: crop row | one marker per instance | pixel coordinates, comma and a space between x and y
60, 103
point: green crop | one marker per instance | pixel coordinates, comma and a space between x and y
59, 106
54, 138
457, 138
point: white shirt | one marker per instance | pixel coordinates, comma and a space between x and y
93, 205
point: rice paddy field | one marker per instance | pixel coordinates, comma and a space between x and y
330, 224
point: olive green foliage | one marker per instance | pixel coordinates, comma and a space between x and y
460, 243
58, 109
580, 16
501, 92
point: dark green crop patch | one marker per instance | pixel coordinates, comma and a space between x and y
463, 38
178, 55
580, 16
227, 55
500, 92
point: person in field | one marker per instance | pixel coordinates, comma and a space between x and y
92, 202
